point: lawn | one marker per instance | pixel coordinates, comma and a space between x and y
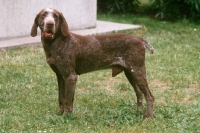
28, 88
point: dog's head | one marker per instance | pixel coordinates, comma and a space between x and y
49, 21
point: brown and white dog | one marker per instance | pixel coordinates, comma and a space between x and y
70, 55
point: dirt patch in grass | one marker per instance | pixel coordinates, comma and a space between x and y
159, 84
188, 95
165, 93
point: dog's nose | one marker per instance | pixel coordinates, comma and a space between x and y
50, 24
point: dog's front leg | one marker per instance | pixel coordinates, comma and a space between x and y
61, 91
67, 95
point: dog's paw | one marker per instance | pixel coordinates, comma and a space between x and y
146, 116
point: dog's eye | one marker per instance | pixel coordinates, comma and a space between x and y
45, 14
55, 16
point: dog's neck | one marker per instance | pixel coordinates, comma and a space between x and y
47, 43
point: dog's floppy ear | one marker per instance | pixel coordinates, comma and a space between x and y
34, 27
64, 26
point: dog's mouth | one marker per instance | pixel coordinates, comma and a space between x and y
48, 35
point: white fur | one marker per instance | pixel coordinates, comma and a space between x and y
49, 18
48, 10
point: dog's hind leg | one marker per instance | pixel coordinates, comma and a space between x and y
139, 94
139, 74
118, 69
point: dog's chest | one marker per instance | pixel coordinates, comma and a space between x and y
50, 60
51, 56
59, 57
53, 53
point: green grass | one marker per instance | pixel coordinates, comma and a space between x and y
28, 88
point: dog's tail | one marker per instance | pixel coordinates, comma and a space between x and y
148, 45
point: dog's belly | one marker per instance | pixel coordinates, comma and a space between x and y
94, 64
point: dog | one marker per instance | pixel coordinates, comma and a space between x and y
70, 55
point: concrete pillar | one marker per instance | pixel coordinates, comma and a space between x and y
17, 16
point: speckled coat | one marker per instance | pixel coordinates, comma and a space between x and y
70, 55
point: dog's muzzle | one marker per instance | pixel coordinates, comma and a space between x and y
49, 28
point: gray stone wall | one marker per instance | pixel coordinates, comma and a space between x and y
17, 16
